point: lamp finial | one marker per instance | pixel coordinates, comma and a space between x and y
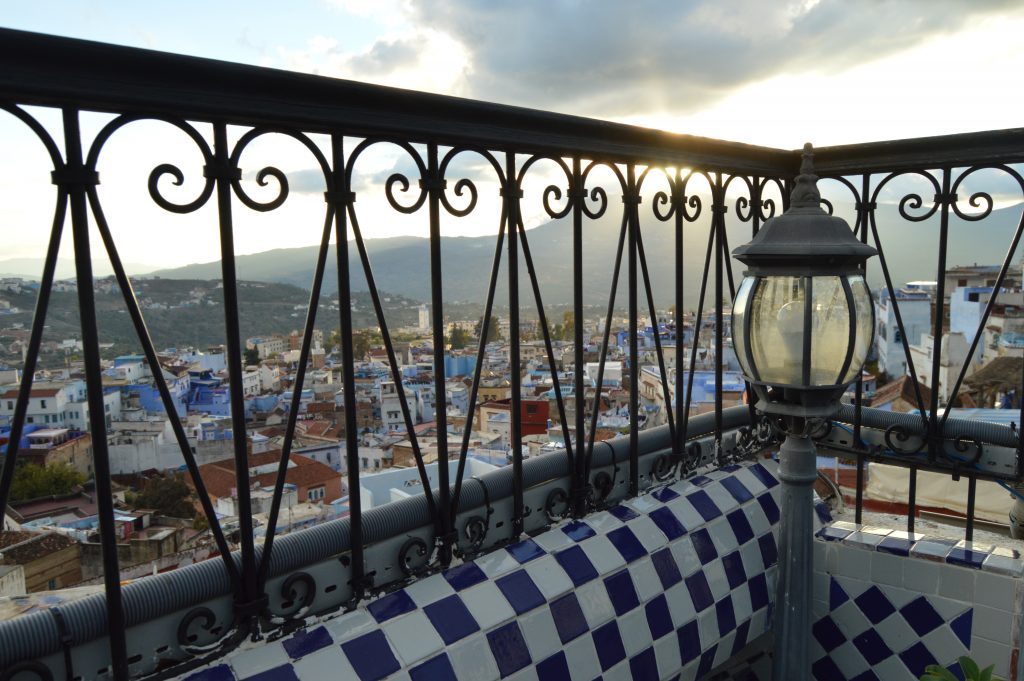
805, 192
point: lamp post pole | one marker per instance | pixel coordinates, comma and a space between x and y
797, 472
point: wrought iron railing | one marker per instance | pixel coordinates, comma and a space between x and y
688, 183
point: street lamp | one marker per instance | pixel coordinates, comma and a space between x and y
803, 322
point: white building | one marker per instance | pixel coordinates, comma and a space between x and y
953, 349
424, 319
915, 306
390, 407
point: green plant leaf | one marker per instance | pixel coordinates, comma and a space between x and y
934, 672
970, 668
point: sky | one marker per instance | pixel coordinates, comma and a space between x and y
764, 72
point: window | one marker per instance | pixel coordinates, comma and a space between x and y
52, 584
42, 404
961, 282
531, 409
315, 494
10, 405
897, 337
29, 419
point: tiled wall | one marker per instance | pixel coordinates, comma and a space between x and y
670, 585
888, 603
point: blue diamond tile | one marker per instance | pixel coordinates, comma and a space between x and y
644, 667
741, 637
221, 672
758, 586
522, 594
957, 671
736, 488
667, 523
734, 572
821, 509
392, 605
555, 668
451, 618
665, 495
700, 480
689, 641
628, 545
895, 545
464, 576
826, 670
866, 676
700, 592
525, 550
305, 642
875, 606
966, 558
576, 564
762, 474
608, 643
569, 619
659, 619
770, 508
623, 513
435, 669
665, 566
726, 616
769, 551
707, 660
707, 508
703, 546
836, 594
578, 530
371, 656
621, 592
830, 533
740, 526
828, 634
961, 626
509, 648
731, 468
921, 616
872, 647
282, 673
917, 657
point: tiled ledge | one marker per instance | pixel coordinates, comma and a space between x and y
669, 585
980, 556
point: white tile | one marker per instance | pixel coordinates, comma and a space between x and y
995, 591
854, 586
540, 633
1004, 565
887, 569
350, 625
594, 601
549, 577
820, 548
666, 652
686, 557
927, 550
944, 645
750, 481
853, 562
429, 590
684, 511
471, 658
921, 576
820, 585
497, 563
758, 624
603, 522
741, 603
689, 672
896, 633
993, 653
949, 608
849, 660
957, 583
898, 596
487, 605
909, 536
527, 674
680, 605
991, 623
753, 563
725, 501
603, 554
401, 675
326, 663
819, 608
643, 504
645, 578
723, 536
413, 637
756, 517
259, 659
845, 525
892, 669
707, 625
724, 650
636, 634
581, 657
554, 539
862, 540
715, 574
850, 620
619, 672
650, 537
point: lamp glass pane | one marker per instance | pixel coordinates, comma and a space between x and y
739, 315
777, 330
830, 330
865, 322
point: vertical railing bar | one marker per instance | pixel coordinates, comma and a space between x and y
940, 297
972, 494
478, 369
667, 395
34, 342
697, 325
142, 331
515, 366
344, 203
76, 189
293, 412
392, 361
679, 201
984, 318
912, 499
755, 220
718, 214
859, 493
224, 173
631, 198
555, 384
579, 486
863, 216
436, 186
592, 435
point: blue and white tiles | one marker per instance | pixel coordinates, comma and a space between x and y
671, 585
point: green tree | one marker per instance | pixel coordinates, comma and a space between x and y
566, 329
32, 481
493, 330
458, 338
252, 356
170, 496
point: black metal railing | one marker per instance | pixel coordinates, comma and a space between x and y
689, 184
